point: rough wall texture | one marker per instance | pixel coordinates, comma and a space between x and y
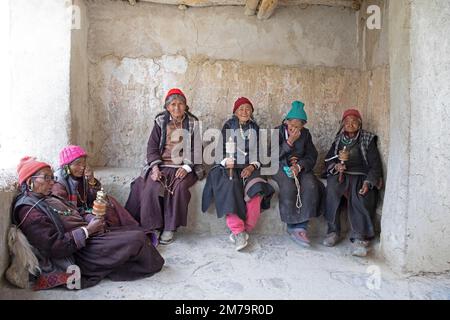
373, 48
135, 56
429, 216
81, 126
416, 214
37, 122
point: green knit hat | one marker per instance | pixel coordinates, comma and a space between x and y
297, 111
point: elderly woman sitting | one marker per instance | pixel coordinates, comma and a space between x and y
355, 172
159, 198
236, 183
75, 182
300, 190
65, 237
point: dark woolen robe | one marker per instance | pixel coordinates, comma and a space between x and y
53, 228
364, 165
153, 205
78, 192
230, 196
311, 189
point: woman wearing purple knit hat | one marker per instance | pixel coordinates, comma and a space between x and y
76, 183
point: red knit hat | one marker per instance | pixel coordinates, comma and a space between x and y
175, 91
239, 102
351, 112
29, 166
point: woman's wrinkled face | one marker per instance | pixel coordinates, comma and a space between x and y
244, 112
42, 181
77, 167
352, 124
294, 125
176, 108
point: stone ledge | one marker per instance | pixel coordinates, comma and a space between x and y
116, 181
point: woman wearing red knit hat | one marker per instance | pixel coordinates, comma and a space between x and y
65, 236
76, 183
159, 198
354, 171
236, 184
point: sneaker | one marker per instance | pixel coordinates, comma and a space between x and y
360, 248
166, 237
300, 236
331, 239
233, 237
241, 241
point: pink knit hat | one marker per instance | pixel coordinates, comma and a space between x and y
70, 153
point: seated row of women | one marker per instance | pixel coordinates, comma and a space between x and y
54, 210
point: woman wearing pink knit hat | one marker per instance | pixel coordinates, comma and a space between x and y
76, 183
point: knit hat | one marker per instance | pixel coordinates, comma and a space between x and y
351, 112
70, 153
175, 91
297, 111
240, 101
29, 166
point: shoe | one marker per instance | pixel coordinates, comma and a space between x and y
360, 248
300, 237
241, 241
331, 239
233, 237
166, 237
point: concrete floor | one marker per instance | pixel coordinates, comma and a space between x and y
271, 267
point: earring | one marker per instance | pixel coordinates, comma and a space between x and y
67, 170
31, 187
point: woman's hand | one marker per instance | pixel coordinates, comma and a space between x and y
96, 226
247, 172
295, 169
156, 174
339, 167
294, 135
364, 189
229, 163
89, 173
181, 173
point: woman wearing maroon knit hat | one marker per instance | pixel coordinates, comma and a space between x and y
159, 198
354, 172
235, 182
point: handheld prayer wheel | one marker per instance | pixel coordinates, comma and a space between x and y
100, 203
343, 156
230, 149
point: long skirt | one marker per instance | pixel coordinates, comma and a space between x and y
116, 215
311, 195
121, 254
160, 208
360, 209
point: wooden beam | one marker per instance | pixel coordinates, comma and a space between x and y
266, 9
281, 3
250, 7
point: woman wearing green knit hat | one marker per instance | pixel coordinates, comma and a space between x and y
300, 197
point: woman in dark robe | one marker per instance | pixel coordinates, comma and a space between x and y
355, 173
65, 238
159, 198
75, 182
300, 190
236, 183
